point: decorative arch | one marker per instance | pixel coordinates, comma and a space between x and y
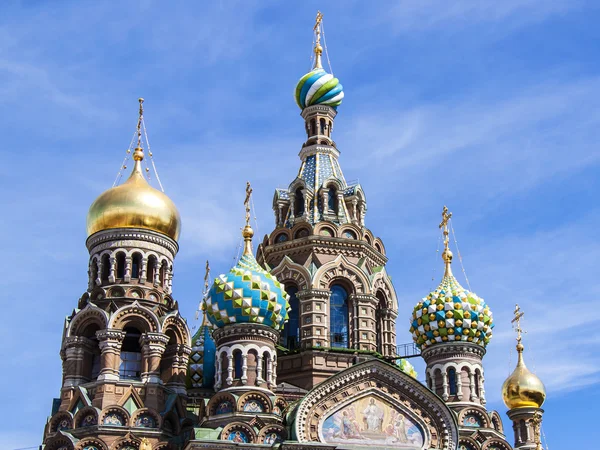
91, 314
128, 440
497, 421
378, 244
272, 434
86, 417
289, 271
91, 442
60, 441
468, 443
280, 406
218, 400
137, 316
342, 269
245, 403
494, 444
146, 418
115, 416
382, 282
235, 430
276, 238
62, 420
173, 321
473, 417
391, 390
355, 230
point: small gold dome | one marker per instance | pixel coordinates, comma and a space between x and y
522, 388
134, 204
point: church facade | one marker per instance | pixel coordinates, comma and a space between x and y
297, 347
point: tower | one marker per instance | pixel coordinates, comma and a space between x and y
343, 305
452, 326
248, 308
125, 348
524, 394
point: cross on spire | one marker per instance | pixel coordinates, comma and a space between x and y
517, 323
139, 124
247, 202
318, 49
446, 254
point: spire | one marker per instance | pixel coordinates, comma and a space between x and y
318, 49
446, 254
204, 294
138, 153
247, 232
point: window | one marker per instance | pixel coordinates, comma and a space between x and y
281, 237
292, 327
452, 381
131, 355
152, 263
237, 364
120, 265
380, 315
299, 205
135, 265
105, 268
338, 325
332, 200
477, 383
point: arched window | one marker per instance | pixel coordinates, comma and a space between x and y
322, 126
120, 265
452, 381
94, 271
291, 330
131, 355
163, 273
332, 200
381, 310
136, 262
313, 127
299, 206
91, 356
105, 268
476, 376
237, 364
151, 270
338, 323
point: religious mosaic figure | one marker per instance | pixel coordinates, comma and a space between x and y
373, 416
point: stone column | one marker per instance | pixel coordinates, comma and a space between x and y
113, 268
75, 349
445, 386
354, 213
259, 379
292, 206
153, 346
458, 375
314, 302
110, 341
143, 270
127, 274
473, 395
98, 280
229, 370
244, 377
340, 202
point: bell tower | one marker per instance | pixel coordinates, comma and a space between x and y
343, 306
125, 347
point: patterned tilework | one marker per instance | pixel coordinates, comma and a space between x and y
248, 293
202, 359
451, 313
282, 194
309, 171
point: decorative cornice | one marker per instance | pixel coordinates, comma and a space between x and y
309, 150
131, 233
454, 350
246, 330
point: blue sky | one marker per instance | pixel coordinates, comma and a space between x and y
489, 107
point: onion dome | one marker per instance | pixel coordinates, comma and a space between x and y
318, 87
248, 293
450, 312
134, 204
522, 389
407, 368
202, 359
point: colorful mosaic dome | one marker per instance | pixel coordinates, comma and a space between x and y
318, 87
248, 293
202, 359
451, 313
407, 368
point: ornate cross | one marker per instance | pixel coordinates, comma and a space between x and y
206, 276
247, 202
139, 124
517, 322
444, 224
318, 20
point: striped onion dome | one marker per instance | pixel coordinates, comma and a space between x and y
318, 87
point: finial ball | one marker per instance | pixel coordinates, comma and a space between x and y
247, 232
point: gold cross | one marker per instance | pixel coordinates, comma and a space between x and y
247, 202
517, 322
139, 124
206, 276
444, 224
318, 20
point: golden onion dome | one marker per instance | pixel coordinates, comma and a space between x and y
134, 204
523, 389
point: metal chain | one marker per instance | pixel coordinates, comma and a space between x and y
437, 252
459, 256
124, 163
325, 47
150, 155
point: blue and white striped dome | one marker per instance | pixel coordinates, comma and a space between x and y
318, 87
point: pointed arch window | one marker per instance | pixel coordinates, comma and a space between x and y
291, 330
338, 322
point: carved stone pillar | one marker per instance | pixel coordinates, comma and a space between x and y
445, 386
244, 377
354, 212
98, 280
229, 370
473, 395
75, 349
127, 274
110, 341
153, 346
340, 202
143, 270
292, 205
259, 378
113, 269
314, 304
458, 376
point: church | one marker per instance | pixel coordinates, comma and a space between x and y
297, 347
